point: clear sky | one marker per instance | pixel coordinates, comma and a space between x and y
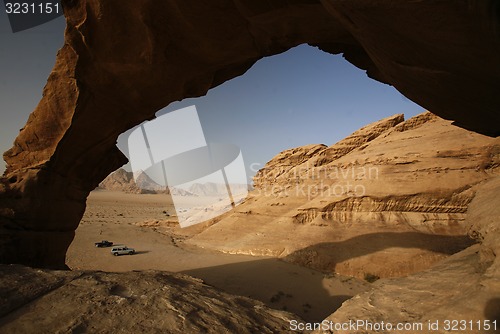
26, 59
303, 96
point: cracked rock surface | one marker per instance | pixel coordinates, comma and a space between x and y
44, 301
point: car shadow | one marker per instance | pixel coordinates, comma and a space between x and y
142, 252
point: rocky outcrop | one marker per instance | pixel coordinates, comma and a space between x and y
143, 302
415, 122
449, 291
120, 180
391, 202
68, 144
356, 140
483, 218
283, 164
296, 161
464, 287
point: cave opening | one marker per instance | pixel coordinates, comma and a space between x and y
283, 104
68, 147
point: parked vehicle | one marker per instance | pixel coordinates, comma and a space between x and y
122, 250
104, 243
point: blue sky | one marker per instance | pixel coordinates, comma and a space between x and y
300, 97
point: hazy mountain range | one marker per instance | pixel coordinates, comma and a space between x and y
123, 181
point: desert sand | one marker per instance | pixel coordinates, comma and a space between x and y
129, 219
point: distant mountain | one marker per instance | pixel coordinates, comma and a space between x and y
121, 180
144, 182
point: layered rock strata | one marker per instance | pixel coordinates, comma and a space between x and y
389, 200
463, 291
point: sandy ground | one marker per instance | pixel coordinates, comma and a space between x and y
118, 217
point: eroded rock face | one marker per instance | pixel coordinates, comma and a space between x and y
451, 290
466, 286
140, 302
284, 168
389, 200
114, 72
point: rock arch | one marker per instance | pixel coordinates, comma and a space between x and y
123, 61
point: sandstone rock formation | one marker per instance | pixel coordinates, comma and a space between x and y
452, 290
115, 69
120, 180
138, 302
297, 162
388, 200
464, 287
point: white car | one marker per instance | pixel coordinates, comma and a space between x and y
122, 250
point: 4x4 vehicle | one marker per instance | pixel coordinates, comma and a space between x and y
104, 243
122, 250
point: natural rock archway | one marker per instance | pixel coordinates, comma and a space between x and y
123, 61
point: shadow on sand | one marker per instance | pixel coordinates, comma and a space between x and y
492, 313
327, 255
280, 285
311, 294
141, 252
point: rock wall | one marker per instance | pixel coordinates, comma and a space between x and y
288, 165
465, 286
391, 200
115, 69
